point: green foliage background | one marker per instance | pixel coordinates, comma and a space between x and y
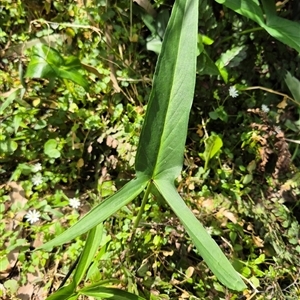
86, 142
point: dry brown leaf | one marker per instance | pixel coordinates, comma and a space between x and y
200, 131
25, 292
168, 253
38, 240
258, 241
17, 198
33, 289
17, 195
111, 142
113, 76
191, 186
184, 295
12, 258
208, 204
93, 70
283, 103
189, 272
286, 186
80, 163
230, 216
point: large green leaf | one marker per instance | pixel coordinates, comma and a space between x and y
206, 246
164, 132
44, 62
249, 9
101, 212
282, 29
160, 152
47, 62
163, 137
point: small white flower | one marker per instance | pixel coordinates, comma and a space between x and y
209, 230
37, 179
233, 92
74, 202
37, 167
265, 108
33, 216
277, 129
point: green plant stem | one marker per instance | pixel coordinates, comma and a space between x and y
251, 30
139, 216
131, 19
142, 208
206, 164
241, 33
270, 91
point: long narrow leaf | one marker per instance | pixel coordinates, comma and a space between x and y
91, 245
101, 212
284, 30
109, 293
249, 9
207, 247
164, 132
63, 293
15, 94
294, 85
11, 95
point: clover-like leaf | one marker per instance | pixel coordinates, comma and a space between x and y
50, 148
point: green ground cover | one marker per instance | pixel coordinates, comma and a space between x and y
76, 80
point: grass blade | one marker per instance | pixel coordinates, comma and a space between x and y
207, 247
91, 245
64, 293
109, 293
284, 30
101, 212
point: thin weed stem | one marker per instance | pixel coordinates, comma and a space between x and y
271, 91
140, 213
